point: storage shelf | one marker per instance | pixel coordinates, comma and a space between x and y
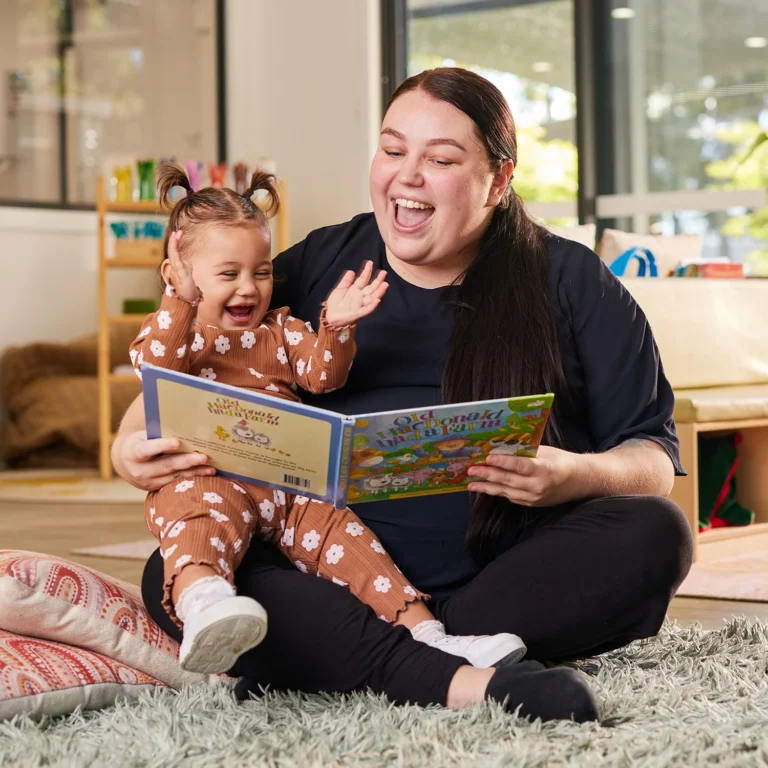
732, 532
126, 319
123, 377
137, 253
150, 207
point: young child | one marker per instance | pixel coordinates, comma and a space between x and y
214, 321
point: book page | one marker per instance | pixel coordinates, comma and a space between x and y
426, 451
265, 444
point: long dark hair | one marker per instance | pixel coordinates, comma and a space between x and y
504, 339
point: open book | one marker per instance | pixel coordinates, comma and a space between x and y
297, 448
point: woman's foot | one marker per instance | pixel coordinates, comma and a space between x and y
217, 634
481, 651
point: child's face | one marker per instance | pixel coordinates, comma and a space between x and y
232, 266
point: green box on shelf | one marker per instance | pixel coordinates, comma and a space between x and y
139, 306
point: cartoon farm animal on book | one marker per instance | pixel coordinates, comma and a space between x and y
418, 455
246, 434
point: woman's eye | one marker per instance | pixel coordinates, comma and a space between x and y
443, 163
393, 153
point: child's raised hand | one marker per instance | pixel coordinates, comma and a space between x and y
355, 297
181, 271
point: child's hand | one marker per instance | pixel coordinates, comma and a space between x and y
181, 272
355, 297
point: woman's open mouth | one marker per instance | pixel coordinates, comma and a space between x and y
241, 314
411, 215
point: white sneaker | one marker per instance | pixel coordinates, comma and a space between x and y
217, 634
483, 651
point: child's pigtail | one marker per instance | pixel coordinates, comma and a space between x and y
170, 175
262, 180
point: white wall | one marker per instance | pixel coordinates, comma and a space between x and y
304, 90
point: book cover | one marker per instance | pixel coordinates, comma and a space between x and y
248, 435
401, 454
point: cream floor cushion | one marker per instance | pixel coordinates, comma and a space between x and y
721, 404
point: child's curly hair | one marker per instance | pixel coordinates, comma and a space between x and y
210, 205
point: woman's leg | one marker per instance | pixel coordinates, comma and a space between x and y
580, 582
322, 638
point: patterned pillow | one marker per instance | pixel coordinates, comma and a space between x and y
53, 599
38, 677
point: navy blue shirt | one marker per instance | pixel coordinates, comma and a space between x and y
616, 384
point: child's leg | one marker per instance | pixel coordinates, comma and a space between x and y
337, 546
204, 526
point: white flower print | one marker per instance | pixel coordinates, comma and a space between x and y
279, 319
272, 388
184, 485
267, 510
157, 349
344, 335
238, 488
224, 565
279, 498
282, 525
255, 373
409, 590
164, 320
145, 332
334, 554
309, 365
327, 356
300, 566
217, 544
323, 376
207, 373
159, 522
140, 359
169, 291
382, 584
293, 337
218, 516
311, 540
247, 516
288, 537
248, 339
299, 367
300, 499
354, 529
290, 319
339, 582
222, 344
198, 343
308, 326
181, 351
166, 553
212, 498
133, 353
151, 513
281, 356
376, 547
182, 561
177, 529
238, 545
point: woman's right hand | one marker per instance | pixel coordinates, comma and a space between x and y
181, 277
150, 464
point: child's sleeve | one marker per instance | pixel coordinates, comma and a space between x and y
167, 337
320, 361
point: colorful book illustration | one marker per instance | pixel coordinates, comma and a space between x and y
323, 455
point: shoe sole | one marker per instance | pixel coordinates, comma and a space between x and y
219, 644
510, 658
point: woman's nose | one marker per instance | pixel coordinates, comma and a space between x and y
410, 172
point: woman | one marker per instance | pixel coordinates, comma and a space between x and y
576, 551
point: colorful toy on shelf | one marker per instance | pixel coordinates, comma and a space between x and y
139, 306
146, 170
241, 177
195, 172
123, 177
217, 175
137, 230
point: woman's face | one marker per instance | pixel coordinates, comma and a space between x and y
431, 183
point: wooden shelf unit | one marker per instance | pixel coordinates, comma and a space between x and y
137, 255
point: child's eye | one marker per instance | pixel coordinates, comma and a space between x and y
229, 274
264, 273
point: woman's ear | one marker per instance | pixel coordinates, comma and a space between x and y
501, 180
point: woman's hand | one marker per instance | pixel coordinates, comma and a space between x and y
354, 298
553, 477
181, 277
141, 461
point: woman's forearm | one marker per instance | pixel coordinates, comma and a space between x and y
639, 467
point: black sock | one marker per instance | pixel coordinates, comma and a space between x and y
551, 694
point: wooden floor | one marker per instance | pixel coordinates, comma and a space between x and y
58, 529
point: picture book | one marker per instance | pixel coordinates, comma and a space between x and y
254, 437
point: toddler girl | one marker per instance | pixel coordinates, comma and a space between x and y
214, 321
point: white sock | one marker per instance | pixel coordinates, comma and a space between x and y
202, 593
428, 631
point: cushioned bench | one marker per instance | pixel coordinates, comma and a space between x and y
713, 338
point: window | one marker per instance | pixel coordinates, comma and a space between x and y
88, 85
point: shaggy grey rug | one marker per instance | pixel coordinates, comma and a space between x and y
686, 698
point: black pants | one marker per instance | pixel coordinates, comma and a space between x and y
575, 583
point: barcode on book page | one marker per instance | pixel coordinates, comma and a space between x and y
301, 482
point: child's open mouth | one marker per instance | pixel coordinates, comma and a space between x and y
241, 313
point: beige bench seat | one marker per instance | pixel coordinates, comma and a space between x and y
739, 403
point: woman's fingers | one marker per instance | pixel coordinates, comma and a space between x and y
515, 495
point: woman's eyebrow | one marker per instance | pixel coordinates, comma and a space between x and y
430, 143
